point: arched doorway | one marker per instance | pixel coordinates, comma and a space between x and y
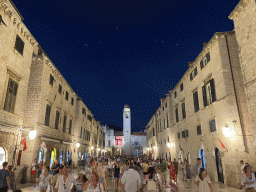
202, 157
41, 155
219, 166
2, 156
53, 156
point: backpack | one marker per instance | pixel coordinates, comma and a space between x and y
151, 186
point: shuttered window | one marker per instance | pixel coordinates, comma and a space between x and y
57, 120
47, 115
178, 135
11, 95
196, 102
70, 126
183, 110
193, 74
19, 45
51, 80
205, 60
181, 87
64, 124
60, 89
212, 125
153, 131
66, 97
72, 101
199, 130
177, 115
167, 121
185, 134
209, 93
175, 94
81, 132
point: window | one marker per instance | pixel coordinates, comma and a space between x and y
70, 126
205, 60
196, 102
167, 122
199, 130
19, 45
84, 134
181, 87
164, 141
175, 94
57, 120
185, 134
164, 124
168, 139
183, 110
177, 115
51, 80
81, 132
165, 105
66, 97
160, 126
11, 94
72, 101
209, 95
60, 89
108, 143
159, 112
212, 125
83, 111
153, 132
163, 108
64, 124
178, 135
118, 140
47, 115
193, 74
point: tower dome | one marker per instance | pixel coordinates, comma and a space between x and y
126, 106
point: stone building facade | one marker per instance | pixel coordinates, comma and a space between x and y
16, 45
34, 96
206, 116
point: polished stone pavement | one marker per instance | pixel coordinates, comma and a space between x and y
187, 186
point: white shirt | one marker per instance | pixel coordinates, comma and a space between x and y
68, 184
242, 169
203, 185
130, 180
44, 180
99, 188
33, 166
245, 179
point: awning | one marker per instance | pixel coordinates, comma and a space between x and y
49, 139
10, 128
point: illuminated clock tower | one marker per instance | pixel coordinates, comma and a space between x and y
127, 130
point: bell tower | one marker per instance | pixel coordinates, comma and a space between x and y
127, 130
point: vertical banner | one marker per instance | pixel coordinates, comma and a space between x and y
19, 157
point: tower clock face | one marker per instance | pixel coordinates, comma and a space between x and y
126, 115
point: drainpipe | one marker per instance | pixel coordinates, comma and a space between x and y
238, 109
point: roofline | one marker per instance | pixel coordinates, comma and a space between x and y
240, 4
16, 9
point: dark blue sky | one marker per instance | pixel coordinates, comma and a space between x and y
114, 53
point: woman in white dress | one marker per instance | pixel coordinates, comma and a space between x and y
248, 179
204, 181
44, 179
93, 185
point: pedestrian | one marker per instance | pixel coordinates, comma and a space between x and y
198, 166
65, 181
242, 167
55, 178
203, 181
176, 167
248, 179
101, 172
93, 185
151, 170
4, 178
44, 180
131, 180
33, 172
80, 182
163, 171
116, 175
172, 172
187, 168
145, 168
12, 178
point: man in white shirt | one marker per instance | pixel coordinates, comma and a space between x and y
243, 165
65, 182
131, 180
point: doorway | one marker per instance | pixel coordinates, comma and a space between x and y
61, 157
2, 156
219, 166
202, 157
68, 156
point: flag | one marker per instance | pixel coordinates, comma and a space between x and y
168, 150
202, 145
23, 142
180, 148
74, 150
222, 145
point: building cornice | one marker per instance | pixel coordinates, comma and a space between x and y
12, 12
238, 8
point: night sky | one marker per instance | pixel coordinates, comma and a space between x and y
118, 52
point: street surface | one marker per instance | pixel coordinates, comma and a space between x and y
187, 186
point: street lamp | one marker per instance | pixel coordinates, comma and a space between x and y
77, 145
227, 131
92, 147
98, 149
168, 145
32, 134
